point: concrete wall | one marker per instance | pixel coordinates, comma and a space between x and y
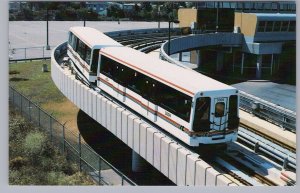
179, 164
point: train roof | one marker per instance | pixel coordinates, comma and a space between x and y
92, 37
186, 80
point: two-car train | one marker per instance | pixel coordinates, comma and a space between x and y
192, 107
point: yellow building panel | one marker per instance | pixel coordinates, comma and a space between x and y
186, 16
247, 23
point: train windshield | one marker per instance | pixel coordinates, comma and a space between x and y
94, 62
201, 117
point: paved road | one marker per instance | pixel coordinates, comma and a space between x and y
24, 34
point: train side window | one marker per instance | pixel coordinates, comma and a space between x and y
202, 111
174, 101
152, 90
219, 109
70, 38
81, 50
123, 75
233, 120
95, 61
132, 84
107, 67
74, 43
87, 55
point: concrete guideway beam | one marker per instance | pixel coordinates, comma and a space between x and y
173, 160
194, 42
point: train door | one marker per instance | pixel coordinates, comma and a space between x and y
220, 113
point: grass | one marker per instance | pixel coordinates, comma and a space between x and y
28, 78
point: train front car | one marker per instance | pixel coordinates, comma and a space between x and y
215, 117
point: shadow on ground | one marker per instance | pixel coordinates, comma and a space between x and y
116, 152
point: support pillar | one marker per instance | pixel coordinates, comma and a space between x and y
242, 64
272, 61
220, 58
233, 61
258, 66
198, 59
138, 164
180, 56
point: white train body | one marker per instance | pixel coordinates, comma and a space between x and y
192, 107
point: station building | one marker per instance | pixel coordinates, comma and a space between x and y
268, 49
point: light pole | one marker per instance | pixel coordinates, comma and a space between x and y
169, 42
158, 11
47, 29
217, 18
84, 17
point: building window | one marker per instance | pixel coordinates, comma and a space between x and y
269, 26
276, 27
292, 27
261, 26
284, 26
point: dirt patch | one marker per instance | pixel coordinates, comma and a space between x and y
15, 79
65, 112
14, 72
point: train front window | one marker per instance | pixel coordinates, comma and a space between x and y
233, 119
202, 111
219, 110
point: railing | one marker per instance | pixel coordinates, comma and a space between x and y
30, 53
268, 111
69, 142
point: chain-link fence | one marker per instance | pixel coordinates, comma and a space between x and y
69, 142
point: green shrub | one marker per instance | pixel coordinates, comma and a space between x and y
34, 143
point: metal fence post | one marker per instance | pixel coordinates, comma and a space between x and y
39, 117
99, 170
29, 111
21, 105
79, 149
50, 128
63, 139
13, 96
